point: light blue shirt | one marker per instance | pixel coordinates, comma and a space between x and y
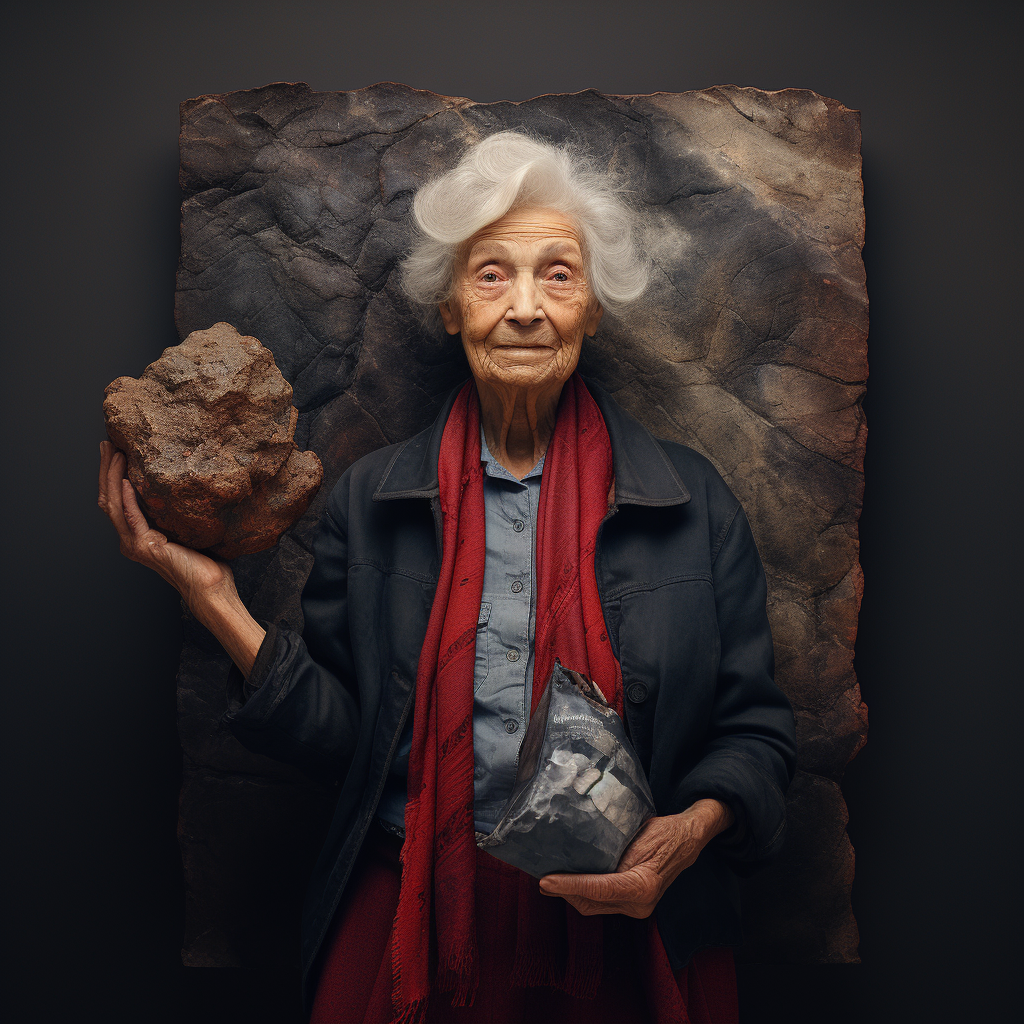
503, 676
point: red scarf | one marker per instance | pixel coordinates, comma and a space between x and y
556, 945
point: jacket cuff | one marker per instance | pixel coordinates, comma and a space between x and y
732, 840
240, 689
757, 803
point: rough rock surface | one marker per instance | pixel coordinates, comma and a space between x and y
750, 346
207, 430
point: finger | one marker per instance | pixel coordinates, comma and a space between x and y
133, 515
114, 507
590, 908
630, 908
106, 453
582, 906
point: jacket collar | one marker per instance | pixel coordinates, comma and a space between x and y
644, 475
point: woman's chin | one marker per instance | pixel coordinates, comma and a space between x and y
509, 369
523, 378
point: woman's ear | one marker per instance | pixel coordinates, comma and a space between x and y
452, 322
595, 318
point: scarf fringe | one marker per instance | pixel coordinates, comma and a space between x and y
414, 1013
583, 980
533, 972
580, 981
460, 977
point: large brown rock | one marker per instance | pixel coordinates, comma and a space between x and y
750, 346
208, 433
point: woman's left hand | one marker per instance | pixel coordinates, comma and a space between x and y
660, 851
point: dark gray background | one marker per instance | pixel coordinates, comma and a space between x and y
92, 763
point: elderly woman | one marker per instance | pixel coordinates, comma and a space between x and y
533, 519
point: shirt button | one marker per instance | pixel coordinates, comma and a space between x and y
518, 525
512, 655
517, 586
511, 726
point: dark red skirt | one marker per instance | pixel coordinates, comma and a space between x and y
355, 983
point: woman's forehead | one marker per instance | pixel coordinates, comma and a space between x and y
528, 227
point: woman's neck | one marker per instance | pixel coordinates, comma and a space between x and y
518, 423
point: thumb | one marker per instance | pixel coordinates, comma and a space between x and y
590, 887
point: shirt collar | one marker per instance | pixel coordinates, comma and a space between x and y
492, 467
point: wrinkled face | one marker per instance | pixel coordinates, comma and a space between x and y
521, 301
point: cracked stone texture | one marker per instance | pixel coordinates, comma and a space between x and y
750, 346
207, 430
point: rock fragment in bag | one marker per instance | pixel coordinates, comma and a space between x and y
580, 794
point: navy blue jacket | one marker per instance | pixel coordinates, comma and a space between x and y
683, 592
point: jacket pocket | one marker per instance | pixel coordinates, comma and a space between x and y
482, 644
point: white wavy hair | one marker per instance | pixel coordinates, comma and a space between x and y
507, 171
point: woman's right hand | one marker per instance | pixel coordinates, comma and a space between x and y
206, 585
197, 577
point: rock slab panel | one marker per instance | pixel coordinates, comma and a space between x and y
750, 346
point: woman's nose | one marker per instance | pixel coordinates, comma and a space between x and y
524, 301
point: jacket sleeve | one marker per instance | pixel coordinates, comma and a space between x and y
749, 755
300, 704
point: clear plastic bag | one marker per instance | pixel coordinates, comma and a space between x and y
580, 794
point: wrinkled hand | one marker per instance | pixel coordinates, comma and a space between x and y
194, 575
662, 849
206, 585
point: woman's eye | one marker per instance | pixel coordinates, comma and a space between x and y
560, 275
489, 276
